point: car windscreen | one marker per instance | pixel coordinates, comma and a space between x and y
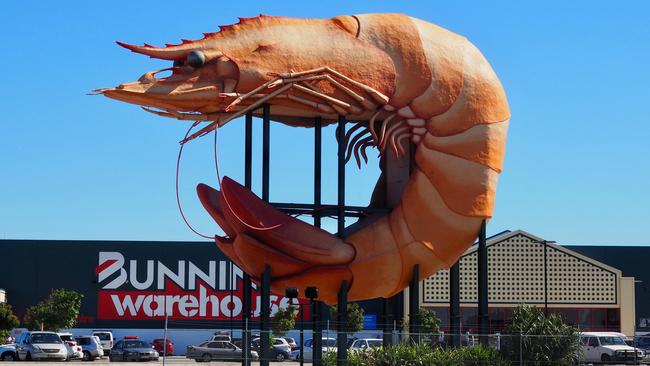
612, 341
136, 344
329, 342
45, 338
83, 341
66, 338
375, 343
103, 336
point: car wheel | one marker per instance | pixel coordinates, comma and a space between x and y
8, 356
280, 357
206, 357
605, 358
86, 356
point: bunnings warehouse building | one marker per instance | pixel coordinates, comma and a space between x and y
127, 285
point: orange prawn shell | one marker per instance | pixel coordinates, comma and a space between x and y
264, 45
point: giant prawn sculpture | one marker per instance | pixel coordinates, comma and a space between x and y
399, 79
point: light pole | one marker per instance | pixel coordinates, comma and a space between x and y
545, 244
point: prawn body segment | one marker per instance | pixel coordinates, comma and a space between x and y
402, 81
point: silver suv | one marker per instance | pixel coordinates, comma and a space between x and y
90, 346
41, 346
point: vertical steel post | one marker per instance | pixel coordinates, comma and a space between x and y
317, 339
318, 141
386, 320
414, 304
341, 176
302, 333
265, 321
265, 301
483, 319
247, 293
266, 149
248, 151
342, 329
454, 303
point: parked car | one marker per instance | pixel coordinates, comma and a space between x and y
216, 350
292, 343
91, 347
132, 349
328, 345
280, 349
365, 344
106, 338
74, 350
607, 347
41, 346
221, 338
8, 352
159, 346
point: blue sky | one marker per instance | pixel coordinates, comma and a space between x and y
577, 75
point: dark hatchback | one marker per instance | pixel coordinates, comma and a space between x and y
132, 350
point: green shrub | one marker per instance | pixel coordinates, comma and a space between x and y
545, 340
421, 355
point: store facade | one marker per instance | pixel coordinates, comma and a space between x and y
523, 268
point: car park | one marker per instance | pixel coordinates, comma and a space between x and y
91, 347
74, 350
163, 347
216, 351
132, 349
40, 346
106, 339
365, 344
607, 347
280, 349
8, 352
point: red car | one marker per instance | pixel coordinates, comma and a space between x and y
159, 345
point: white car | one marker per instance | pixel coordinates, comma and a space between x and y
106, 340
8, 352
74, 350
608, 347
365, 344
32, 346
328, 345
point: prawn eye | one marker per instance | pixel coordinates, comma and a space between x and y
196, 59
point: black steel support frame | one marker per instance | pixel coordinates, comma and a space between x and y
317, 210
414, 304
247, 290
265, 301
454, 303
342, 329
483, 320
265, 321
317, 339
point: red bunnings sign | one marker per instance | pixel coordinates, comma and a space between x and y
150, 289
